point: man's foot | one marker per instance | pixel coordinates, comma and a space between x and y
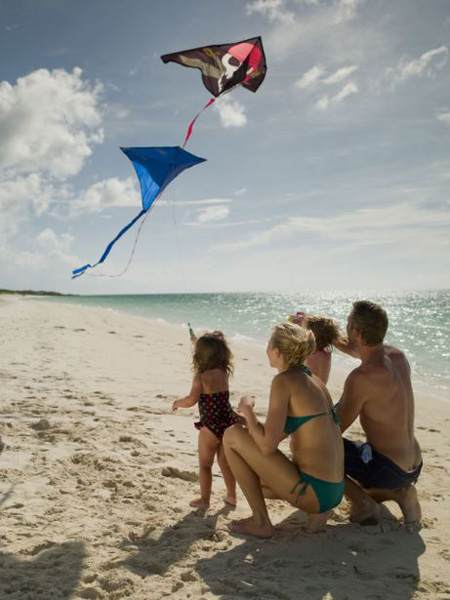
231, 500
409, 504
317, 523
368, 514
199, 503
250, 527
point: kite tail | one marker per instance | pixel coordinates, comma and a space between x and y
81, 270
191, 126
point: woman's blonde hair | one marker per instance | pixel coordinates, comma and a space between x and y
212, 352
294, 342
326, 331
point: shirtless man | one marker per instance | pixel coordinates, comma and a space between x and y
380, 393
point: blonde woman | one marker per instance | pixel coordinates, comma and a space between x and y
299, 406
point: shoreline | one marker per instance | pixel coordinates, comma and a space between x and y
97, 474
342, 364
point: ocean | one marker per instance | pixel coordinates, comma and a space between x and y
419, 321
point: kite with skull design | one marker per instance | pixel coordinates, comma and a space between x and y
227, 65
224, 67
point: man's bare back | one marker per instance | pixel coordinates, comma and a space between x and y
387, 415
380, 393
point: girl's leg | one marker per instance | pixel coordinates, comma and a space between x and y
207, 448
228, 477
249, 465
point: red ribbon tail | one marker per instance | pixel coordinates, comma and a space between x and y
191, 126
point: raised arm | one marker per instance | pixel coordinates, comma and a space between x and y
269, 435
347, 347
194, 395
352, 401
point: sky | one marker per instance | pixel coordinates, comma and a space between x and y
334, 175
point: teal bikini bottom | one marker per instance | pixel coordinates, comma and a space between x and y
329, 494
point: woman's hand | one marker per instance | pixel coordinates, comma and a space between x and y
246, 403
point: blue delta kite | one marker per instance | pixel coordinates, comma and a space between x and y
155, 168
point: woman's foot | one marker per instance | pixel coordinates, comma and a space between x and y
317, 523
199, 503
251, 527
231, 500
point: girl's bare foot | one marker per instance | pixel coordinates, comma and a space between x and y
199, 503
231, 500
251, 527
317, 523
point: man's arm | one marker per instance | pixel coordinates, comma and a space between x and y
352, 400
347, 347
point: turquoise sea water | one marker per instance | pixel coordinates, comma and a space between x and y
419, 321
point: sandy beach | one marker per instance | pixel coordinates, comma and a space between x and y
97, 474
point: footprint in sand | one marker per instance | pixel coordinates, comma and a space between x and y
178, 474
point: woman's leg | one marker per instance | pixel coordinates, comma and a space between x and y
207, 448
249, 465
228, 477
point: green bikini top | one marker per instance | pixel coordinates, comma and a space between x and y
293, 423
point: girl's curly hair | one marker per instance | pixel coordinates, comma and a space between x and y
212, 352
294, 342
326, 331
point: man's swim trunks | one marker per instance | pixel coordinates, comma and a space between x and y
374, 470
216, 413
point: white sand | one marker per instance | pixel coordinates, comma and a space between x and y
97, 474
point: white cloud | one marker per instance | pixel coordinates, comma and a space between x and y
426, 65
240, 192
213, 213
444, 117
21, 199
274, 9
346, 10
107, 193
231, 112
367, 226
56, 247
48, 122
340, 75
325, 101
310, 78
205, 201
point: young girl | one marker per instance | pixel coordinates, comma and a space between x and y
212, 364
326, 333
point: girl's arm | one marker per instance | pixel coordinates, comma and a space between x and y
269, 435
194, 395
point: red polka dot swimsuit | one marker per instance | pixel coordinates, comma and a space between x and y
216, 413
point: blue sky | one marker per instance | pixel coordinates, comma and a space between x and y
334, 175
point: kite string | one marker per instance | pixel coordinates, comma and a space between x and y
177, 238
